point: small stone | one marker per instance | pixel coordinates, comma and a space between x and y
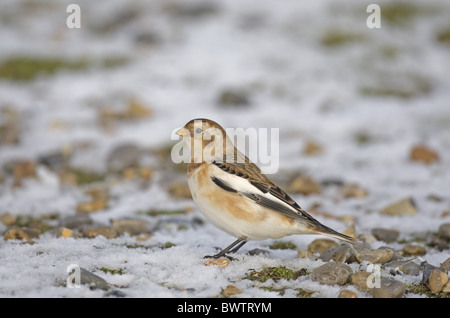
123, 157
445, 265
16, 234
180, 190
130, 226
26, 234
22, 170
312, 148
408, 267
306, 254
331, 274
231, 290
352, 191
94, 231
385, 235
321, 245
75, 221
65, 232
412, 249
92, 206
446, 288
221, 262
143, 237
347, 294
304, 185
389, 288
403, 207
231, 97
340, 254
437, 280
422, 153
359, 279
380, 256
444, 231
8, 219
92, 280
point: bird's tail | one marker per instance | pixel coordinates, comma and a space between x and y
325, 230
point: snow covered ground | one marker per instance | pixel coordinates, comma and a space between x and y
312, 69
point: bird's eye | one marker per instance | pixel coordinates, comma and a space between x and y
198, 130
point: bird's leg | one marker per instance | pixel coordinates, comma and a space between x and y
234, 250
239, 242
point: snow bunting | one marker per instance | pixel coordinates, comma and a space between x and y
235, 196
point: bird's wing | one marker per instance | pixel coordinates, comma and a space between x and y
246, 179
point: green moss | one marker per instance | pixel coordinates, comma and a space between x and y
335, 38
421, 289
27, 68
153, 212
39, 223
443, 36
400, 12
281, 291
283, 246
106, 270
275, 273
86, 177
168, 245
304, 293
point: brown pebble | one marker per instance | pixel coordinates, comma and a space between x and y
347, 294
221, 262
423, 154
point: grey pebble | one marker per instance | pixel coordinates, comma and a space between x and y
332, 274
340, 254
407, 267
389, 288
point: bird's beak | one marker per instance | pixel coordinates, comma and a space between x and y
182, 132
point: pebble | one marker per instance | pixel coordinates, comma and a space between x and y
221, 262
231, 290
413, 249
423, 153
65, 232
321, 245
407, 267
306, 254
312, 148
405, 206
304, 185
445, 265
359, 279
444, 231
385, 235
437, 280
180, 190
129, 225
91, 232
347, 294
26, 234
352, 191
389, 288
331, 274
75, 221
92, 280
92, 206
8, 219
231, 97
380, 256
340, 254
123, 156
